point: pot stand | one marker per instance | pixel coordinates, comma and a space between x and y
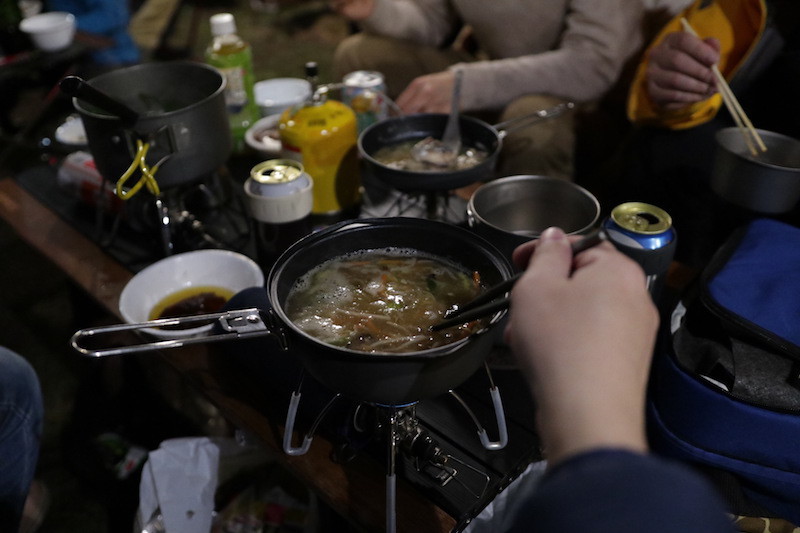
406, 435
431, 205
201, 214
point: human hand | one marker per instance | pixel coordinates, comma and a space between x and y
353, 9
679, 70
431, 93
582, 330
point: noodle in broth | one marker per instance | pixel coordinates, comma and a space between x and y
382, 301
399, 156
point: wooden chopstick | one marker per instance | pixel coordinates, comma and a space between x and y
483, 305
732, 103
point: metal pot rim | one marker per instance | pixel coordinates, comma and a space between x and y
354, 225
158, 66
472, 211
723, 135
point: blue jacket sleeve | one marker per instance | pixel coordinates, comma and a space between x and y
609, 491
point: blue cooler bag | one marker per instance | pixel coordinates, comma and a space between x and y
725, 390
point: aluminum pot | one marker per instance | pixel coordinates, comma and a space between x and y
766, 183
389, 378
474, 133
515, 209
181, 116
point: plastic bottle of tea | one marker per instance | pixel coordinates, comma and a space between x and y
233, 57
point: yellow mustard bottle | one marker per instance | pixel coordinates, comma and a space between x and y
322, 134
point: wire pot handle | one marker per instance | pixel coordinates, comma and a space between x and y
237, 324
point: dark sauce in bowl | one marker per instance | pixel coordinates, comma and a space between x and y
192, 301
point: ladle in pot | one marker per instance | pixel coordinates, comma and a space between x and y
79, 88
443, 152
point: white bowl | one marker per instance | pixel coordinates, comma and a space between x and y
219, 268
262, 136
51, 31
277, 94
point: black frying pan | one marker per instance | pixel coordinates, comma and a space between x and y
474, 133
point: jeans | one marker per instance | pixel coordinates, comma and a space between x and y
21, 413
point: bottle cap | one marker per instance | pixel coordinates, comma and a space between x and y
312, 70
222, 24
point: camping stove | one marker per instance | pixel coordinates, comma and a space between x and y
454, 476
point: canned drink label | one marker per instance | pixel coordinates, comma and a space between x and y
365, 92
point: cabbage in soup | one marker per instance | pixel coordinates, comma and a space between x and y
382, 301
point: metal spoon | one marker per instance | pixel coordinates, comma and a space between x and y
445, 151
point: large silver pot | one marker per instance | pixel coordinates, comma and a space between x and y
181, 116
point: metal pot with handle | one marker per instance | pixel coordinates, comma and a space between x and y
475, 133
176, 108
381, 378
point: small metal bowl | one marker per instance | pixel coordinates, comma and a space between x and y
512, 210
766, 183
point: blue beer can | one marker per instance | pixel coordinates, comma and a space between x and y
644, 233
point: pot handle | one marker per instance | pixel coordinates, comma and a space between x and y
237, 324
504, 128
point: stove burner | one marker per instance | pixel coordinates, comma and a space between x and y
206, 213
404, 433
382, 201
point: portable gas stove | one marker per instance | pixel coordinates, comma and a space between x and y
433, 443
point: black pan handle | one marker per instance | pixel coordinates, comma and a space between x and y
77, 87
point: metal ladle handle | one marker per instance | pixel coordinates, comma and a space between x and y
77, 87
452, 136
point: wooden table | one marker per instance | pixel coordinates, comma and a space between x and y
356, 490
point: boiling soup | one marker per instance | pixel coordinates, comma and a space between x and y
382, 301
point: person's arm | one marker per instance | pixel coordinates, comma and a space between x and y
608, 491
583, 332
593, 43
582, 47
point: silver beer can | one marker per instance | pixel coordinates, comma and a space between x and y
365, 92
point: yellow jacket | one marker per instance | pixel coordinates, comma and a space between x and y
738, 24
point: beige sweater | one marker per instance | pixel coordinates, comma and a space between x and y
573, 49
